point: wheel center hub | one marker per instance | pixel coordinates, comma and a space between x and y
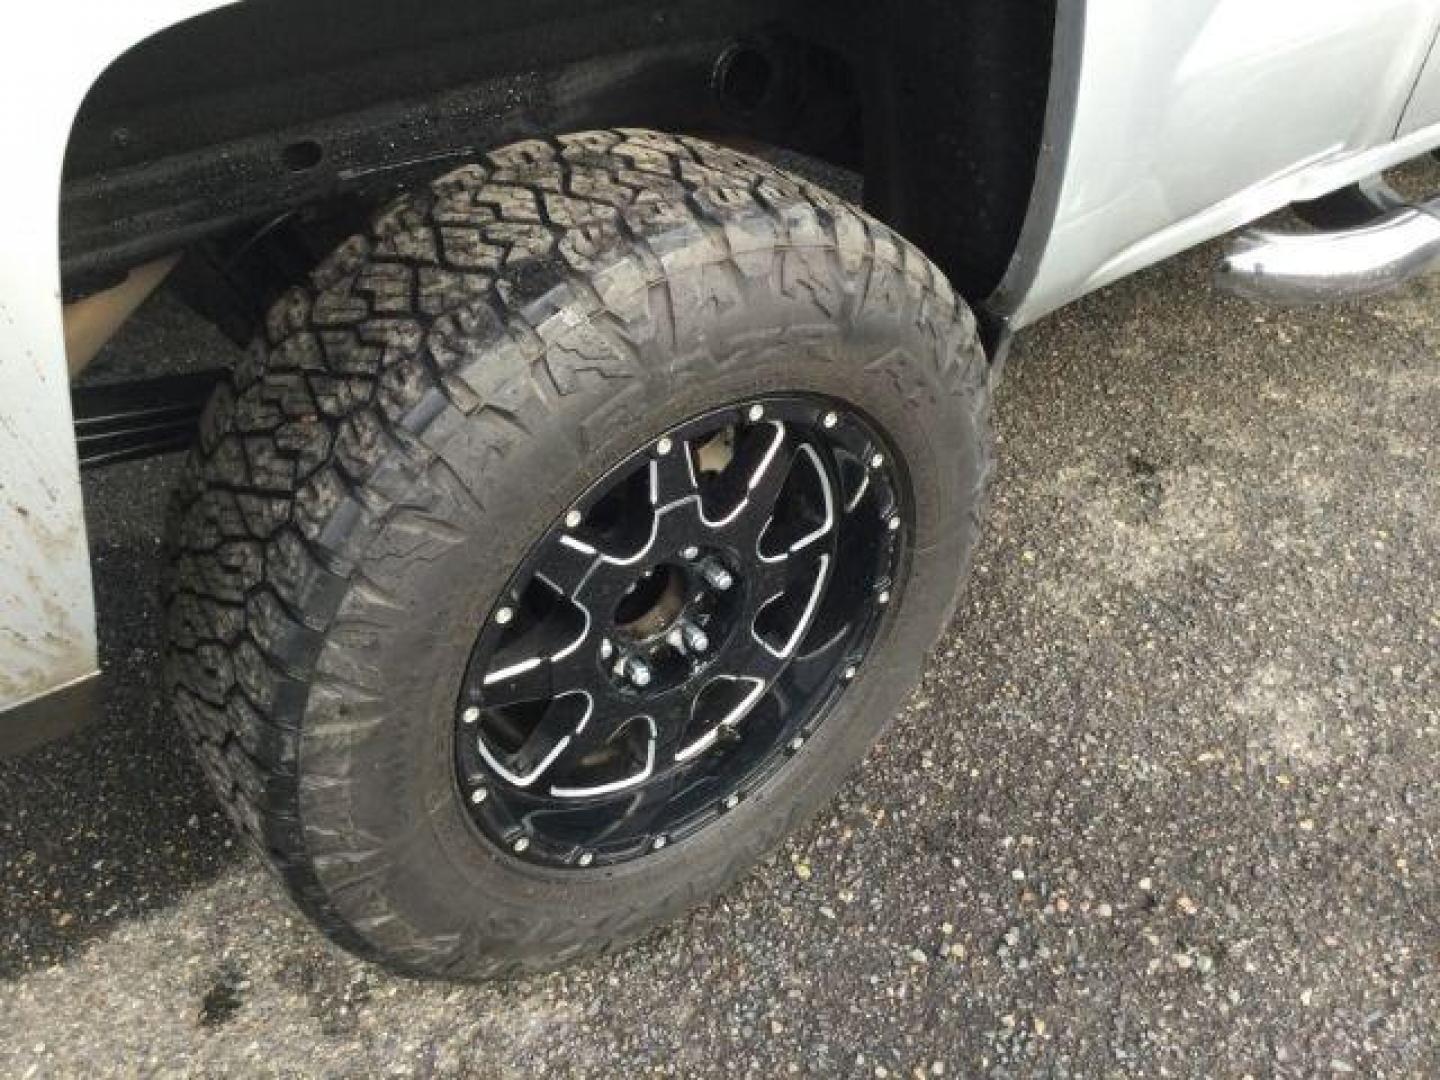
674, 619
653, 603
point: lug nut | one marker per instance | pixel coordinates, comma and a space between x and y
716, 575
696, 640
638, 672
504, 615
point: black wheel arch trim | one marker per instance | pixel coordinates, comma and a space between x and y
996, 312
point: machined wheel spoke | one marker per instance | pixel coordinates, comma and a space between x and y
748, 690
752, 659
565, 716
762, 464
536, 678
804, 598
672, 473
566, 563
582, 783
824, 528
643, 808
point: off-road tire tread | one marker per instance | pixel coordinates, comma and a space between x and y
318, 444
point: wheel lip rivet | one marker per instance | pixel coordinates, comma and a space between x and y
504, 615
479, 795
664, 446
829, 420
876, 460
690, 554
470, 715
731, 801
573, 518
893, 523
586, 858
849, 673
884, 596
520, 844
755, 412
797, 742
607, 649
659, 842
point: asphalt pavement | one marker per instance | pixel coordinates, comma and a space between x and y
1164, 805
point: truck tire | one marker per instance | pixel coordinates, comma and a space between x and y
568, 539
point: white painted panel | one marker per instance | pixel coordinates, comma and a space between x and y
50, 54
1198, 115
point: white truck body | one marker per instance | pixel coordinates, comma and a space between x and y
1172, 123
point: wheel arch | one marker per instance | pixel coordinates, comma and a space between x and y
248, 112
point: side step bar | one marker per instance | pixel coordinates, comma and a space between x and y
1343, 264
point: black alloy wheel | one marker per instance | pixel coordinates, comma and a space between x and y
680, 631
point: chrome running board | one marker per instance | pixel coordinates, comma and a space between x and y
1343, 264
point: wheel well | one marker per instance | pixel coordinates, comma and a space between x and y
256, 135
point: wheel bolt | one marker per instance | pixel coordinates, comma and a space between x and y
606, 649
658, 843
479, 795
520, 844
893, 523
573, 518
732, 801
638, 672
756, 412
696, 640
876, 460
797, 742
690, 554
829, 420
664, 446
586, 858
470, 715
504, 615
884, 596
716, 575
850, 673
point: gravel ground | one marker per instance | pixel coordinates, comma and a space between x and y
1164, 804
